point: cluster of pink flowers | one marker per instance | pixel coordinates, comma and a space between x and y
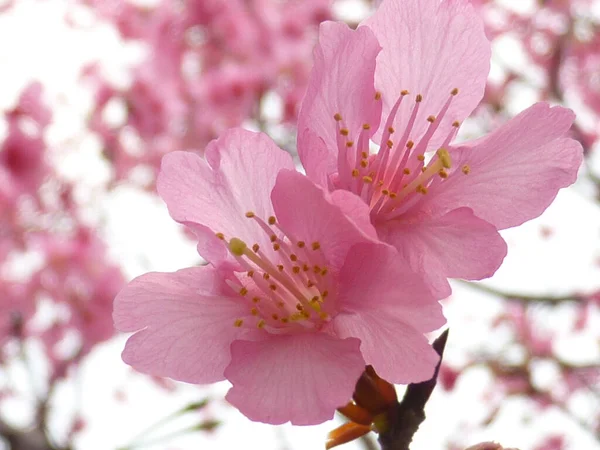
310, 278
210, 64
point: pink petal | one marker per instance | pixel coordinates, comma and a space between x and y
185, 321
455, 245
516, 171
303, 211
298, 378
398, 352
213, 195
341, 82
388, 307
430, 47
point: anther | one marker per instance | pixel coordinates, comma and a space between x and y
249, 214
355, 173
255, 248
254, 312
389, 143
305, 268
466, 169
404, 92
261, 323
243, 291
300, 244
337, 117
364, 163
377, 95
367, 180
421, 157
431, 119
391, 130
251, 273
406, 171
272, 220
419, 98
410, 145
366, 126
443, 174
237, 246
324, 294
276, 246
266, 276
296, 269
273, 287
364, 154
255, 299
280, 267
293, 257
220, 235
274, 316
444, 157
315, 245
238, 323
456, 124
454, 91
385, 192
344, 132
299, 307
349, 143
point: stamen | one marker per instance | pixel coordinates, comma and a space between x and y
466, 169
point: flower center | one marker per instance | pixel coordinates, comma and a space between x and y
392, 179
286, 285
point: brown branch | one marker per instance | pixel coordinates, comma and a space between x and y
523, 298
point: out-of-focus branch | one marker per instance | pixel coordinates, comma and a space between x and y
514, 296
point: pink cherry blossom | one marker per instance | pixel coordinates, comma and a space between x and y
405, 79
296, 298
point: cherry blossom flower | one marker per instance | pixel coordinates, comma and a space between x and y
297, 297
405, 79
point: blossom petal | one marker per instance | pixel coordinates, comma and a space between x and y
515, 172
388, 307
341, 82
398, 352
212, 195
457, 244
305, 211
300, 378
430, 47
185, 321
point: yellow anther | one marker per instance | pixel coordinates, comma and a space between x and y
254, 312
237, 246
389, 143
274, 316
443, 174
385, 192
454, 91
316, 269
251, 273
456, 124
220, 235
255, 299
300, 244
273, 287
305, 268
422, 189
421, 157
314, 304
393, 195
466, 169
410, 145
261, 323
238, 323
296, 269
391, 130
364, 155
293, 257
349, 143
355, 173
419, 98
377, 95
367, 179
299, 307
273, 238
314, 299
337, 117
266, 276
444, 157
404, 92
243, 291
276, 246
364, 163
406, 171
380, 183
344, 132
424, 169
249, 214
255, 248
272, 220
280, 267
366, 126
431, 119
315, 245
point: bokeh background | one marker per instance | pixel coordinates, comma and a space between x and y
94, 92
